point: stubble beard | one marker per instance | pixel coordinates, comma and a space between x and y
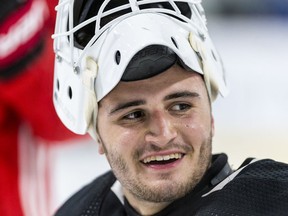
161, 193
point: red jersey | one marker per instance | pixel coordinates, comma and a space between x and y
28, 121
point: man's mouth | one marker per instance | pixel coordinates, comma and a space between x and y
162, 159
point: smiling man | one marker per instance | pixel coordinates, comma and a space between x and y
161, 142
140, 77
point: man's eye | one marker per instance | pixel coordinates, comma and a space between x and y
134, 115
180, 107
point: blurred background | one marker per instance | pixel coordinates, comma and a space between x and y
252, 38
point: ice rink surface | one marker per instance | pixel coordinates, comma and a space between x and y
251, 122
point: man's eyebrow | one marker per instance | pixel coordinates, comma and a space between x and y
182, 94
126, 105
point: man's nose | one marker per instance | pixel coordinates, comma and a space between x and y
160, 129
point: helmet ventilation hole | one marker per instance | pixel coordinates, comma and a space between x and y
70, 92
174, 42
118, 57
58, 84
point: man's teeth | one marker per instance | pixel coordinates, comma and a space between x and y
162, 158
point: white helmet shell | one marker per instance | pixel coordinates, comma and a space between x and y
78, 86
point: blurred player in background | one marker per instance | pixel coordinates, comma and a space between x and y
28, 122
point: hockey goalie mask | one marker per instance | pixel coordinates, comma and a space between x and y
95, 42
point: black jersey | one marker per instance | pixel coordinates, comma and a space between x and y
257, 188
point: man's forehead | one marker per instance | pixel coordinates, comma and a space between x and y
172, 80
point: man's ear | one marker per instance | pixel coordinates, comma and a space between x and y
101, 148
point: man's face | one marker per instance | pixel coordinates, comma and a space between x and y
156, 134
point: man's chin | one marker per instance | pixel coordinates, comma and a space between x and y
164, 190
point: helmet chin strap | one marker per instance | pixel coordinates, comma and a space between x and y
211, 83
91, 109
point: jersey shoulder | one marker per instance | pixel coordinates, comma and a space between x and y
259, 188
92, 193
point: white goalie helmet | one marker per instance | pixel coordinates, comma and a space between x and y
95, 42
